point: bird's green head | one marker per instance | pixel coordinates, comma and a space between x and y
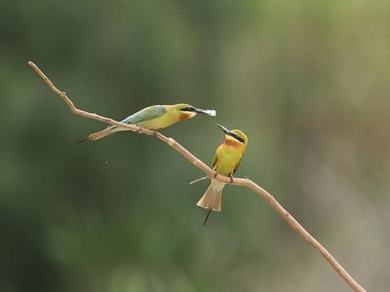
187, 111
234, 136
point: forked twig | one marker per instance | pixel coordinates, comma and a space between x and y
245, 182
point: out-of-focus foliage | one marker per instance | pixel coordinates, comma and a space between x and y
307, 81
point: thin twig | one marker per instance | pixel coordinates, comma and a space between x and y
245, 182
198, 180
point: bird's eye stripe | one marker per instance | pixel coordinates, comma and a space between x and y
238, 138
187, 109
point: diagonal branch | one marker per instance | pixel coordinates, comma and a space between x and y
245, 182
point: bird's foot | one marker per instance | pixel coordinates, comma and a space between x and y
231, 178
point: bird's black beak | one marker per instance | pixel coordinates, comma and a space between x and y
224, 129
211, 113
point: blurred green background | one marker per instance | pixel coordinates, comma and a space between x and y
306, 80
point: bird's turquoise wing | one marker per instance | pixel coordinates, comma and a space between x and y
146, 114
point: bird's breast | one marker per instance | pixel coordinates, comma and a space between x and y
227, 158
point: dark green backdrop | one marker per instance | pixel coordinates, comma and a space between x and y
307, 81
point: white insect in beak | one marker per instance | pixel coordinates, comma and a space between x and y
211, 113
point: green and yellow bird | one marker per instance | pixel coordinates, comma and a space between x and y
154, 117
226, 162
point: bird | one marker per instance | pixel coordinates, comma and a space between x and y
226, 162
153, 117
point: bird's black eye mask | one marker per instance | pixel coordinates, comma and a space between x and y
236, 137
189, 109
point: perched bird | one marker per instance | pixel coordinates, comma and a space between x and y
153, 117
226, 162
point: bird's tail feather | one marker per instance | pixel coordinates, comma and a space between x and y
212, 198
100, 134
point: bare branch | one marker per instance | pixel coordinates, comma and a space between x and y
245, 182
